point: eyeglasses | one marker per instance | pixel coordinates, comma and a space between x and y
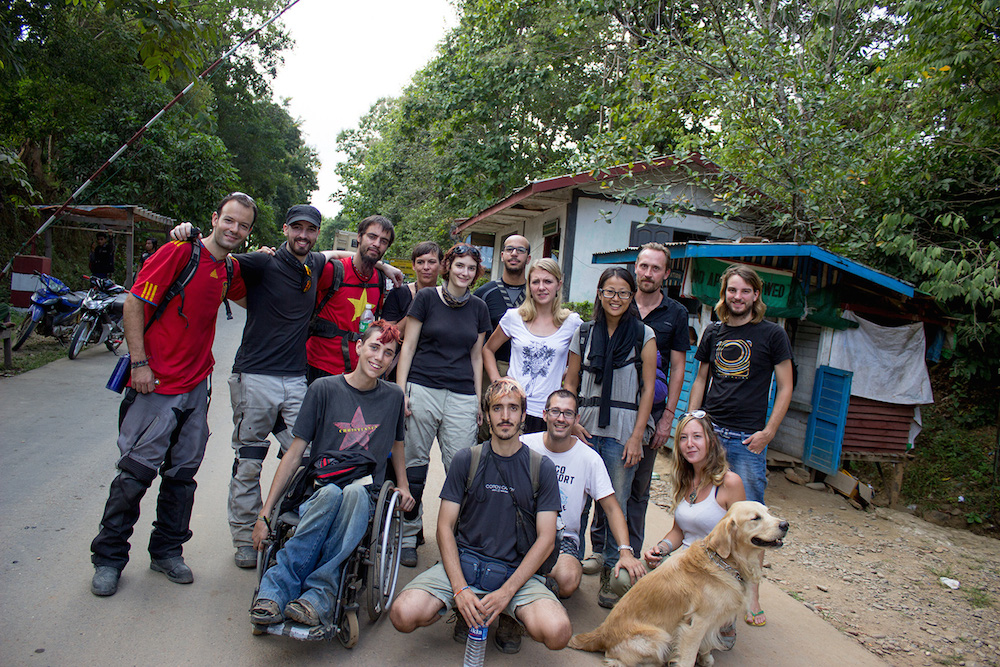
556, 412
463, 249
622, 294
697, 414
515, 250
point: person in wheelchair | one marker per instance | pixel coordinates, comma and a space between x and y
353, 421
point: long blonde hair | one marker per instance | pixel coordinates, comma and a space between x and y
527, 310
682, 471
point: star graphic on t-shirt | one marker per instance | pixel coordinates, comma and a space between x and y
359, 304
356, 431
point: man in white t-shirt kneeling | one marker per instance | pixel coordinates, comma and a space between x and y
581, 472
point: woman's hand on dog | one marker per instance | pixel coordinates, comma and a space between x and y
653, 557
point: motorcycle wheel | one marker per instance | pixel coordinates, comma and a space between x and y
23, 331
114, 341
81, 334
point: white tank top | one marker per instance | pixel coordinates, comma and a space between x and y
697, 520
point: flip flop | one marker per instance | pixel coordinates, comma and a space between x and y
755, 618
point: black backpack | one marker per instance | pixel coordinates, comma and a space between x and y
176, 288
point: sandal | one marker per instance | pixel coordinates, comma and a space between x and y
265, 612
302, 612
755, 618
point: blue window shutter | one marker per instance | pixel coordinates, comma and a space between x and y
825, 432
689, 374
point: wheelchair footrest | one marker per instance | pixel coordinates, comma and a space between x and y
299, 631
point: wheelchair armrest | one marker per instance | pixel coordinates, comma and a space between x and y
289, 518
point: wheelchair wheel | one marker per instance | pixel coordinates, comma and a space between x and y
383, 552
349, 629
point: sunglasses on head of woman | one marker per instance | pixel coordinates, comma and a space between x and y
461, 250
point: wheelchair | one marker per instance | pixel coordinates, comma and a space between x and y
368, 577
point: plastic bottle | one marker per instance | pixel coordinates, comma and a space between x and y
475, 646
366, 318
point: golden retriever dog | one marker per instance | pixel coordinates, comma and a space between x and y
676, 611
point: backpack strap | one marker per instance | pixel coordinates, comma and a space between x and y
476, 452
338, 279
494, 286
180, 282
229, 282
585, 330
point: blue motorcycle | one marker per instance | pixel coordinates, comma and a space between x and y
53, 312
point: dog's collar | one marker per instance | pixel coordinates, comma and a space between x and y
717, 559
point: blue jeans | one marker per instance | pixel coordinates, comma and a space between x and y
332, 525
601, 538
752, 468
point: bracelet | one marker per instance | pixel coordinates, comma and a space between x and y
461, 590
622, 547
264, 519
140, 364
669, 544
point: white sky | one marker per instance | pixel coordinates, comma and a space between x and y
347, 55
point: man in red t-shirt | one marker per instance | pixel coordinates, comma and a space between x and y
330, 348
163, 422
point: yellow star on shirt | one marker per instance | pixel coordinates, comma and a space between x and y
359, 305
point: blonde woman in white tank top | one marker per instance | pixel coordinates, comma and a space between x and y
704, 489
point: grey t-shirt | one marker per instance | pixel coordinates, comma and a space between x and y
341, 421
278, 312
486, 525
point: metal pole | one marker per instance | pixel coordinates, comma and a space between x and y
138, 135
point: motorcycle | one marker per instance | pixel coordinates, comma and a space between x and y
100, 317
53, 311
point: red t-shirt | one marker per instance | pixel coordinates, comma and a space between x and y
344, 309
179, 346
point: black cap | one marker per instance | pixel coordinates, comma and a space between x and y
305, 212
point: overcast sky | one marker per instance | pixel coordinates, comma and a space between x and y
347, 55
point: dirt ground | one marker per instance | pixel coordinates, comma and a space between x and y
876, 576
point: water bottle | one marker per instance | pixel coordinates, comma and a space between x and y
475, 646
367, 318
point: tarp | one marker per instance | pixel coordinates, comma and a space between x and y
887, 362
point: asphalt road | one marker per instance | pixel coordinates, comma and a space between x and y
57, 456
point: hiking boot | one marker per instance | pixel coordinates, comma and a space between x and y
245, 557
174, 568
508, 635
461, 631
105, 581
408, 557
265, 612
606, 597
592, 564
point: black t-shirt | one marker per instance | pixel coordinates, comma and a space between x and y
278, 312
397, 304
741, 361
486, 525
341, 421
493, 294
443, 359
669, 321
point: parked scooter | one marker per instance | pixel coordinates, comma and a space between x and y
100, 317
53, 311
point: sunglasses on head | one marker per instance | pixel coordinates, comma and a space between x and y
697, 414
461, 250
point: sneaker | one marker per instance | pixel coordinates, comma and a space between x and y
245, 557
408, 557
593, 563
174, 568
265, 612
461, 631
302, 612
606, 597
420, 537
105, 581
508, 635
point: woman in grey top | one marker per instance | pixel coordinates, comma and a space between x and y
617, 356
